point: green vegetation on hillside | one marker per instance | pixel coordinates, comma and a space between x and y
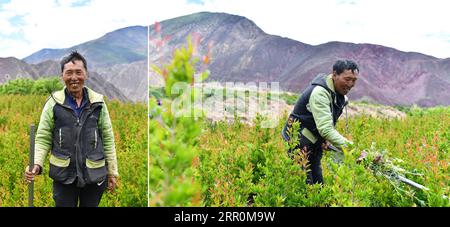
22, 86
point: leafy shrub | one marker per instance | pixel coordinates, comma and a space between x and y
173, 142
42, 86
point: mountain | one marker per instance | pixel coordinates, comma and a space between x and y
48, 68
387, 76
12, 68
130, 78
118, 59
242, 52
121, 46
105, 88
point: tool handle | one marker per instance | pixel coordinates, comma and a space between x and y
333, 148
30, 167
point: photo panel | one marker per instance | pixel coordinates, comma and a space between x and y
77, 117
239, 117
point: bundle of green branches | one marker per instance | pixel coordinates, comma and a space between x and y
391, 169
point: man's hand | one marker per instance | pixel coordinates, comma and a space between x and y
325, 145
29, 175
112, 181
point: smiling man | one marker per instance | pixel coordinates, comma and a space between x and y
318, 110
76, 129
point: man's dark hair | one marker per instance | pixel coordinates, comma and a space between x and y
342, 65
72, 57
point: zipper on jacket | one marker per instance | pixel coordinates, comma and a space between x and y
60, 138
95, 138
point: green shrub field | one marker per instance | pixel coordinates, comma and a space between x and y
195, 162
19, 111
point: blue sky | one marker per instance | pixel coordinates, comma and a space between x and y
409, 25
199, 2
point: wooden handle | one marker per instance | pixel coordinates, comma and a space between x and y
31, 165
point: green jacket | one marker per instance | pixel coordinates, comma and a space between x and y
318, 109
319, 105
47, 137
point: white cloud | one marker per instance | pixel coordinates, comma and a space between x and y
7, 43
51, 24
407, 25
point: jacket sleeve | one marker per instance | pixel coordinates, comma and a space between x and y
43, 140
320, 101
108, 141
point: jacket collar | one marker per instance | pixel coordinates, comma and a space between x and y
330, 83
59, 96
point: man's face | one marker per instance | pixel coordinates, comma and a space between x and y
74, 76
345, 81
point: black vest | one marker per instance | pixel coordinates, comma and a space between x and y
300, 112
77, 139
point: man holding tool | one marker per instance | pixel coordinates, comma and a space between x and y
318, 110
76, 129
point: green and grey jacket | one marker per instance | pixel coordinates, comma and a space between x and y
80, 147
318, 110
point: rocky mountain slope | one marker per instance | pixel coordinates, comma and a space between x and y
241, 51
